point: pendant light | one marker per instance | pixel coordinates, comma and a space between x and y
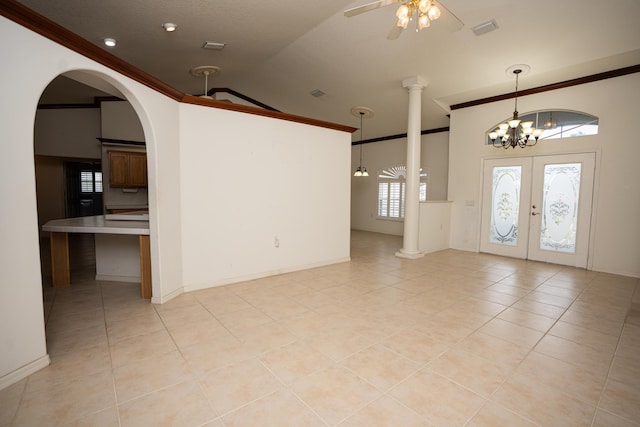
363, 113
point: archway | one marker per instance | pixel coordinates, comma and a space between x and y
82, 121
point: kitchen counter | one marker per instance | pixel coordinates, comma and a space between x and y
97, 224
122, 249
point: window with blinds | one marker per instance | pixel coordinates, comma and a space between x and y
90, 182
391, 191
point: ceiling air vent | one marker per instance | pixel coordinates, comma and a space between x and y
317, 93
485, 27
213, 45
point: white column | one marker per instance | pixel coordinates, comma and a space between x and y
412, 190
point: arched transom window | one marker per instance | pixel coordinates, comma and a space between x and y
557, 124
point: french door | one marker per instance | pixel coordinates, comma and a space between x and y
538, 208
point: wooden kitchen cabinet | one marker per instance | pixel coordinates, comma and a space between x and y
127, 169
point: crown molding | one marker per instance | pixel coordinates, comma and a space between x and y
553, 86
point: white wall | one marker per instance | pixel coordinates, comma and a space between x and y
435, 226
248, 181
615, 231
376, 156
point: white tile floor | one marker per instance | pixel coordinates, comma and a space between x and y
452, 339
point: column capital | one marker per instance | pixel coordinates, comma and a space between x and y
413, 82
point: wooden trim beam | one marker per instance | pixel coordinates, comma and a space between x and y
400, 135
121, 141
97, 100
553, 86
196, 100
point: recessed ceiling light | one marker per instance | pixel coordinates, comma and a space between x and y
169, 27
110, 42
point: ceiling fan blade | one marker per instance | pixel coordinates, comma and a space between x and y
395, 32
449, 18
369, 6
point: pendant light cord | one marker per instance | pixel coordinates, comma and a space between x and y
361, 115
517, 73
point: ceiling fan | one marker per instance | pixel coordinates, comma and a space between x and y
425, 11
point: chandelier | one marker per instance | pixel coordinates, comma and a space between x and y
427, 11
515, 132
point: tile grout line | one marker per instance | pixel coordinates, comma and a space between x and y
113, 377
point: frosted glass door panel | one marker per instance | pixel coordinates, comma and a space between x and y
560, 207
506, 191
562, 190
505, 203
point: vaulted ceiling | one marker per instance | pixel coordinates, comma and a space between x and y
277, 52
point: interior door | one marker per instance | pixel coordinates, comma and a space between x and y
562, 192
538, 208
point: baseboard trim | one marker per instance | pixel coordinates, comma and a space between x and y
165, 298
261, 275
23, 372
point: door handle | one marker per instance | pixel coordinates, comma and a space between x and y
534, 213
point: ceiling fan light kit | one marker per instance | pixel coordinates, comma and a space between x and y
425, 12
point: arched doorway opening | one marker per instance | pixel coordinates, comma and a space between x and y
81, 122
